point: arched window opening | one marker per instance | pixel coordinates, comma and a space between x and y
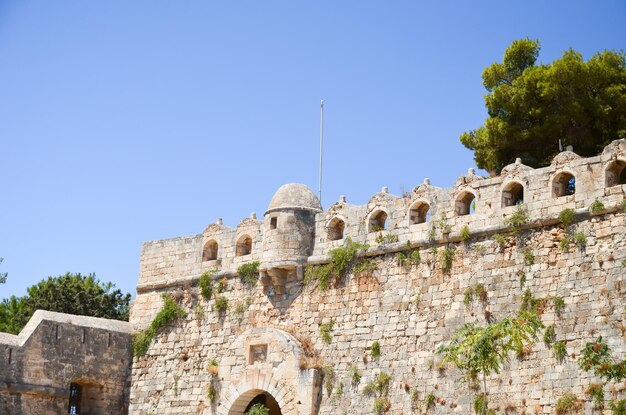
513, 194
209, 253
563, 185
378, 221
616, 173
244, 246
464, 204
335, 229
419, 213
76, 392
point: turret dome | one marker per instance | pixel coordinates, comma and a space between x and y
294, 196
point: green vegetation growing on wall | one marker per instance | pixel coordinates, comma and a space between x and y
375, 350
446, 257
343, 259
566, 217
166, 316
221, 304
480, 351
249, 272
379, 388
567, 402
258, 409
518, 219
206, 285
326, 330
597, 207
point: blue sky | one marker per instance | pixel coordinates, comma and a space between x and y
123, 122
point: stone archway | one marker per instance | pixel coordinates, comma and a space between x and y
265, 364
254, 396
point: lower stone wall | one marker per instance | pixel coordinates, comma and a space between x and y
410, 311
55, 350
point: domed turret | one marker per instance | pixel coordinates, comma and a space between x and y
289, 229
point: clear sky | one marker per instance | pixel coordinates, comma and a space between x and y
128, 121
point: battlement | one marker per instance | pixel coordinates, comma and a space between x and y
284, 241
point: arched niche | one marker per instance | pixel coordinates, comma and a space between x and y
464, 203
563, 184
615, 173
419, 212
209, 251
243, 246
377, 221
335, 229
512, 194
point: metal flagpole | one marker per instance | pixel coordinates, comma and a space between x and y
321, 144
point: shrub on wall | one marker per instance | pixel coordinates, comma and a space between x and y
166, 316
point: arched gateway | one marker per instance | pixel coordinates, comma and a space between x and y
266, 369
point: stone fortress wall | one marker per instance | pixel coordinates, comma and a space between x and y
55, 350
264, 342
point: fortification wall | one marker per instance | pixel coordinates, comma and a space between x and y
382, 306
54, 350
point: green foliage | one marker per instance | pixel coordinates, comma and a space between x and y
597, 207
339, 390
567, 402
477, 290
379, 386
580, 239
596, 392
211, 394
476, 350
326, 330
375, 350
528, 105
559, 305
221, 285
564, 244
549, 335
560, 350
206, 284
465, 233
480, 404
529, 257
258, 409
468, 296
415, 257
355, 376
249, 272
401, 259
329, 379
198, 310
239, 310
429, 401
596, 357
383, 239
169, 313
342, 260
69, 293
382, 405
446, 257
532, 304
618, 407
221, 304
518, 219
623, 205
566, 217
500, 240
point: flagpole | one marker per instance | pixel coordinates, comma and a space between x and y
321, 145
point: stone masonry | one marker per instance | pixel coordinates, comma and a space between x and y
269, 344
55, 350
